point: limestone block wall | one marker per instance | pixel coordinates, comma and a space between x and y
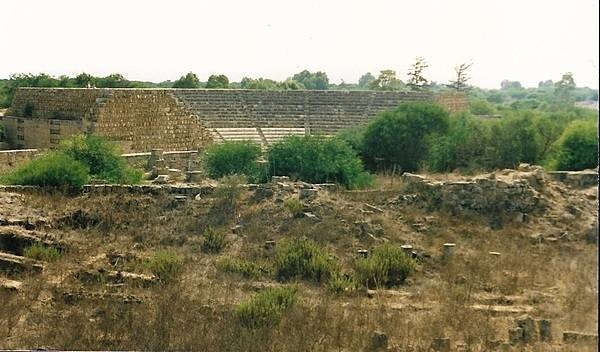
143, 119
10, 159
185, 160
54, 103
40, 133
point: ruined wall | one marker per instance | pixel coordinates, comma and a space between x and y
39, 132
144, 119
175, 119
54, 103
185, 160
10, 159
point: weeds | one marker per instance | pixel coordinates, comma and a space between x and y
165, 265
41, 252
213, 242
266, 308
244, 268
387, 266
302, 258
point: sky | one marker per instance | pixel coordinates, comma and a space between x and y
523, 40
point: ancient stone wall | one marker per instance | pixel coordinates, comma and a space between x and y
175, 119
10, 159
40, 133
51, 103
143, 119
185, 160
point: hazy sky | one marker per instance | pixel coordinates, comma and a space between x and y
525, 40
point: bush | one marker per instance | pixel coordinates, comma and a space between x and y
214, 241
267, 307
318, 159
50, 170
398, 138
293, 205
513, 140
102, 158
165, 265
577, 147
304, 259
231, 158
340, 283
387, 266
41, 252
245, 268
463, 147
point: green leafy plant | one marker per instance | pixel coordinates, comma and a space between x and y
293, 205
267, 307
40, 252
577, 147
213, 242
386, 266
340, 283
102, 158
165, 265
50, 170
230, 158
303, 259
244, 268
318, 159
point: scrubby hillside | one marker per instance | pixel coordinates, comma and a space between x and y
142, 268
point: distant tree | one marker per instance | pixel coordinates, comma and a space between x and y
546, 84
460, 84
314, 81
190, 80
290, 84
416, 80
365, 80
563, 90
115, 80
84, 80
387, 81
506, 84
217, 81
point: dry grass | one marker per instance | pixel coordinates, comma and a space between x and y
462, 299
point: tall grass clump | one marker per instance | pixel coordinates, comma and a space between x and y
303, 259
266, 308
51, 170
40, 252
213, 241
165, 265
387, 266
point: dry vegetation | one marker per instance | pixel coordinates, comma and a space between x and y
83, 299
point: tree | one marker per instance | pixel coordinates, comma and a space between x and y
365, 80
506, 84
398, 138
387, 81
460, 84
115, 80
314, 81
416, 80
190, 80
84, 80
217, 81
563, 90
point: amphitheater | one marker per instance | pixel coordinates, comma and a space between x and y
186, 119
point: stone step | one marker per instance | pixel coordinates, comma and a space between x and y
11, 264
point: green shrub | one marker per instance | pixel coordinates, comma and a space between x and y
514, 139
102, 158
386, 266
354, 137
318, 159
50, 170
340, 283
213, 242
165, 265
398, 138
266, 308
293, 205
303, 259
577, 147
40, 252
231, 158
245, 268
